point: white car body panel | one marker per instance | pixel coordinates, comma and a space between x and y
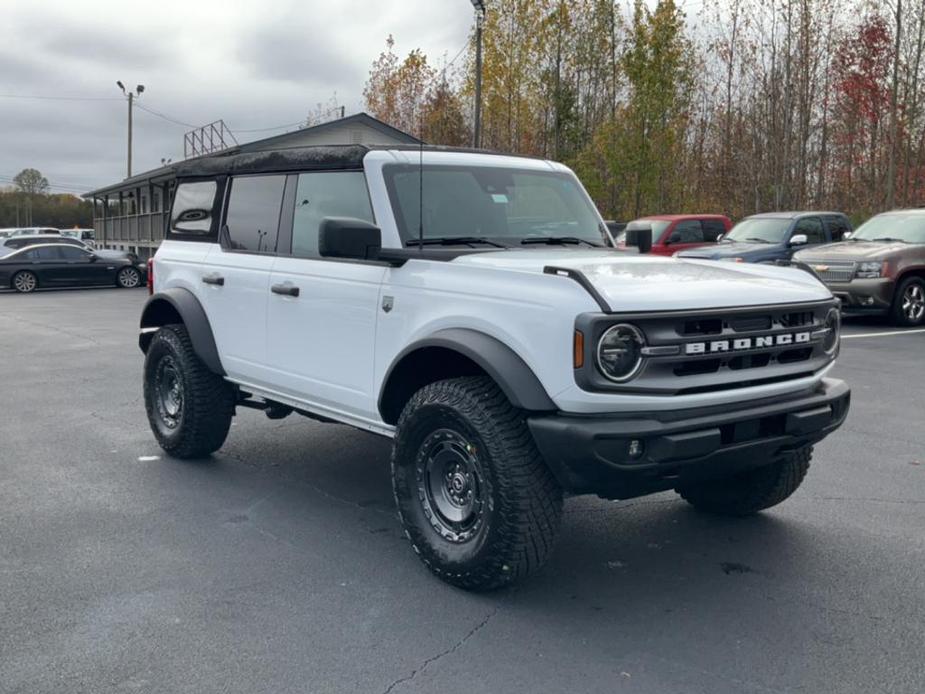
330, 350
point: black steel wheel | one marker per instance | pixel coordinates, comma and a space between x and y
25, 282
189, 408
128, 278
476, 499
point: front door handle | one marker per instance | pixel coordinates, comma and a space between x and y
285, 289
217, 280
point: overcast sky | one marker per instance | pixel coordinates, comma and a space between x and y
254, 63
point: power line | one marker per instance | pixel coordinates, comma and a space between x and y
164, 116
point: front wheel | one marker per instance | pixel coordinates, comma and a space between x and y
752, 491
475, 498
909, 302
189, 407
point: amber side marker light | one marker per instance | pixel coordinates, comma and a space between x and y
578, 350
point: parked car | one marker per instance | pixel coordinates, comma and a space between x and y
23, 241
773, 236
489, 333
880, 268
64, 265
4, 233
676, 232
88, 236
32, 231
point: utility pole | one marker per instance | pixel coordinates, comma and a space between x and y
131, 99
479, 6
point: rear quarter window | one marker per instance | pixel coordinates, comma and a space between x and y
193, 209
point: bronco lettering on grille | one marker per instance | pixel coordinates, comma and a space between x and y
743, 343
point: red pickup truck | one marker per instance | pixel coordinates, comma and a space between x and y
677, 232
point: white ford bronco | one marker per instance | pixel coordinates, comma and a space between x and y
470, 307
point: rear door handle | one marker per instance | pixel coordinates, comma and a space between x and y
217, 280
285, 289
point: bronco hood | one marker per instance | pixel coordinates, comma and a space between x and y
652, 283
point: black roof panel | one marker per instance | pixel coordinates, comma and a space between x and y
289, 159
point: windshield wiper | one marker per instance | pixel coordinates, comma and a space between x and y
558, 240
888, 239
453, 241
756, 239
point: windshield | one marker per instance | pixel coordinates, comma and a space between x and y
499, 205
908, 227
658, 228
759, 230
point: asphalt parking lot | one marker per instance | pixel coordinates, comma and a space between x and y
279, 566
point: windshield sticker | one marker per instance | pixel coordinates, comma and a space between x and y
499, 197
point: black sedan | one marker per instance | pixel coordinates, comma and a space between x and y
63, 265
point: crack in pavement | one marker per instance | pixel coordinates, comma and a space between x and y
434, 658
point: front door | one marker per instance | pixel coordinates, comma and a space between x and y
236, 275
82, 267
812, 228
322, 313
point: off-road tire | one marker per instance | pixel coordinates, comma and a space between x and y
522, 504
21, 283
752, 491
898, 314
125, 277
207, 403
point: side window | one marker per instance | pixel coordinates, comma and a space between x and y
253, 213
838, 227
812, 227
712, 229
192, 208
326, 194
687, 231
73, 253
44, 253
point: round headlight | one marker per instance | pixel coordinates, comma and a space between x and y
619, 352
832, 326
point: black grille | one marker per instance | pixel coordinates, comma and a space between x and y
720, 350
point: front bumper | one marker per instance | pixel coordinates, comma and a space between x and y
591, 454
871, 294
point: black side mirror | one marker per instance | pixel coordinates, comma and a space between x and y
94, 257
345, 237
640, 238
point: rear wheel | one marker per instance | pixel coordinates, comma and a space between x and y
476, 500
750, 491
909, 302
25, 282
189, 407
128, 278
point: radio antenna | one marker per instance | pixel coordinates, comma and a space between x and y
421, 195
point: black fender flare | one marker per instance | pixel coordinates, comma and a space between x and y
516, 380
163, 309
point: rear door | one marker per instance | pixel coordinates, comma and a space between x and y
45, 263
236, 274
322, 312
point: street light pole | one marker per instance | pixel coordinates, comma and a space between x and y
131, 96
479, 6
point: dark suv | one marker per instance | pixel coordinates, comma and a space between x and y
881, 267
773, 236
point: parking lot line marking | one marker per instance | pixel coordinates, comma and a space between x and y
884, 334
